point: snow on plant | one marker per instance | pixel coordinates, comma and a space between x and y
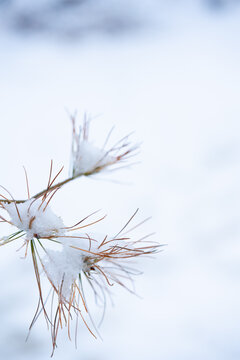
88, 159
98, 259
34, 218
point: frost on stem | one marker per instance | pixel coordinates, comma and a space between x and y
88, 159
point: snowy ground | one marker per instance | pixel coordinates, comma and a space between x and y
177, 85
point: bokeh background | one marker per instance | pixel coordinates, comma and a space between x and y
168, 70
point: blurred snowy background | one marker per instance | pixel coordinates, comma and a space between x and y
169, 70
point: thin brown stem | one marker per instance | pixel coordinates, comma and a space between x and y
61, 183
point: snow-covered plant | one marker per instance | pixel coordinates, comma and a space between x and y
101, 260
88, 159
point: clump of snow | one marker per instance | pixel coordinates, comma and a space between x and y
36, 218
63, 268
78, 254
87, 158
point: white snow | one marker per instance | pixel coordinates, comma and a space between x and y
88, 158
62, 269
64, 266
35, 217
